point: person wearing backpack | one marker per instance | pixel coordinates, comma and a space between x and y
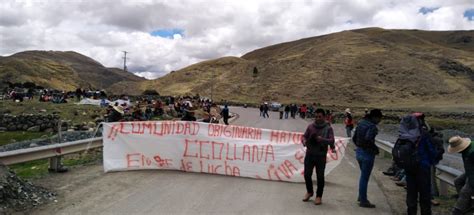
364, 139
317, 137
465, 182
415, 153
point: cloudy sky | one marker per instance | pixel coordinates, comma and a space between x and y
167, 35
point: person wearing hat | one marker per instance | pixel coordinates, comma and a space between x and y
364, 139
116, 114
348, 122
465, 182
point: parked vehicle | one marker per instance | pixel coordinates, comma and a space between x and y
274, 106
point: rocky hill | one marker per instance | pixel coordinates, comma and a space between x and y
60, 70
362, 67
356, 67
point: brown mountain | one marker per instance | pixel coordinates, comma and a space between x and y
61, 70
358, 67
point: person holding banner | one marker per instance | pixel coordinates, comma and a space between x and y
318, 136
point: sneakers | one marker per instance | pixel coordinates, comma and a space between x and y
434, 202
366, 204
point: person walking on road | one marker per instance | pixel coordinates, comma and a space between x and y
225, 114
465, 182
364, 139
349, 122
317, 137
261, 110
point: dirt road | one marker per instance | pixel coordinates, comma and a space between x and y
87, 190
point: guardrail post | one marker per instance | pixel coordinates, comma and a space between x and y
443, 188
55, 164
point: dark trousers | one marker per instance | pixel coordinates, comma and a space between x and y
281, 115
419, 184
311, 161
226, 120
265, 113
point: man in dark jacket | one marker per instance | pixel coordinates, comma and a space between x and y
225, 114
287, 110
317, 137
465, 182
364, 139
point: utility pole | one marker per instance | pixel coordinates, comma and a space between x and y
124, 60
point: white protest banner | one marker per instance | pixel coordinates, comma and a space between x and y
209, 148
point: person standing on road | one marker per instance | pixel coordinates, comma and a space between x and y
364, 139
265, 110
261, 110
418, 175
465, 182
225, 114
287, 110
317, 137
294, 109
304, 109
281, 109
349, 122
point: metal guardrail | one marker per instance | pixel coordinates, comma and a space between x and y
49, 151
446, 174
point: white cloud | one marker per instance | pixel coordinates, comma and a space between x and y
212, 28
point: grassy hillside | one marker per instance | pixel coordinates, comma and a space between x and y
362, 67
358, 67
60, 70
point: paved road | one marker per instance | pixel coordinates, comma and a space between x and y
90, 191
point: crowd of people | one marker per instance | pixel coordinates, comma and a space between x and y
294, 110
417, 150
183, 107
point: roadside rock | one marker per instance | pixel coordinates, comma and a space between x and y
18, 195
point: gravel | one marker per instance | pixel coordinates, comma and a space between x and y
19, 195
